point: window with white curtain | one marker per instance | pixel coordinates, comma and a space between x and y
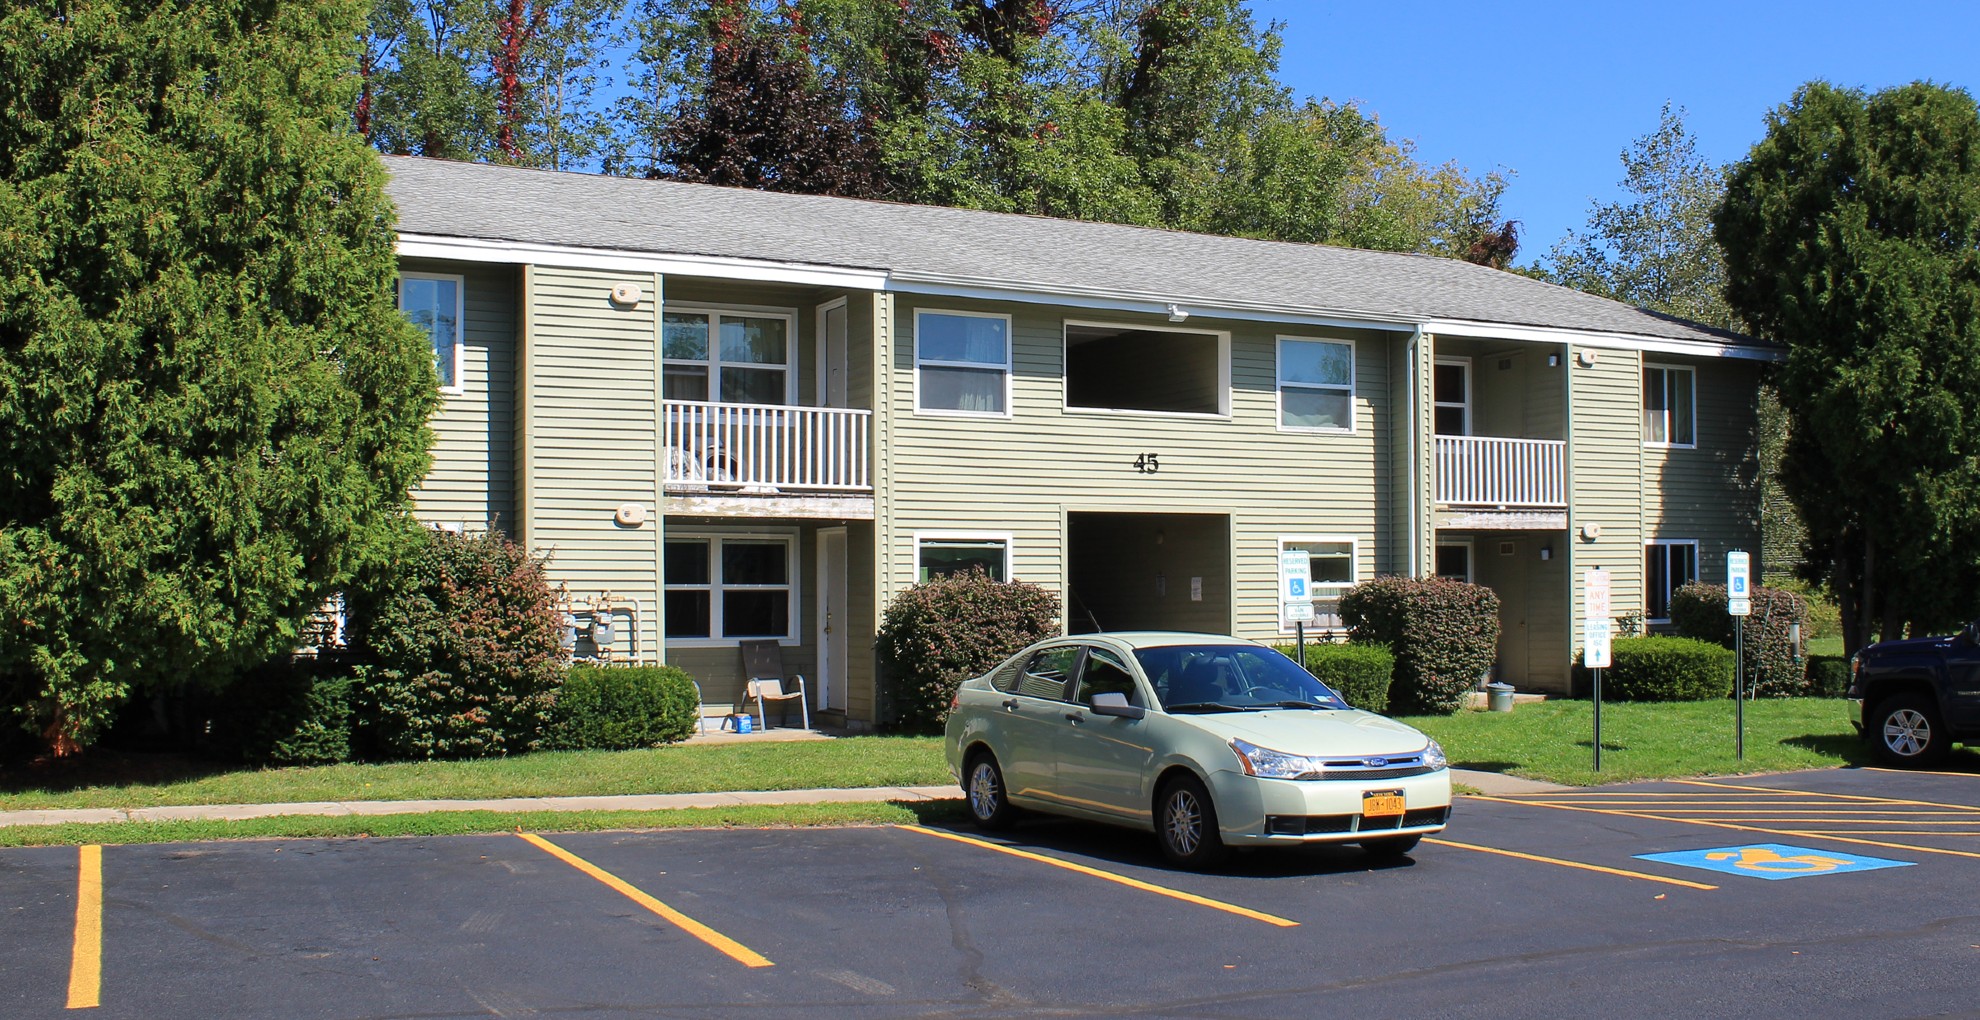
1316, 385
962, 362
1669, 415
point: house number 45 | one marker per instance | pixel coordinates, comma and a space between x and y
1147, 464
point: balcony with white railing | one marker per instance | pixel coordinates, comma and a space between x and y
1509, 474
764, 449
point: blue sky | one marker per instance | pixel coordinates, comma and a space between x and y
1556, 91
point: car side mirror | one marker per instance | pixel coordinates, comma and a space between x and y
1115, 704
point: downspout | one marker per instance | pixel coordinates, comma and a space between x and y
1415, 426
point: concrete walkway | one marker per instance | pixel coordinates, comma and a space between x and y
1485, 782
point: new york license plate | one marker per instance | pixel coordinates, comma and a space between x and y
1381, 803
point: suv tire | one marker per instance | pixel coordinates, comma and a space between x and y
1907, 731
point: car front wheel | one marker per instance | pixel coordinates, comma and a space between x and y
1186, 823
987, 806
1907, 730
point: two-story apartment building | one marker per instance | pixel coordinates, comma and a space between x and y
728, 414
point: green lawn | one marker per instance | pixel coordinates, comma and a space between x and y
1823, 646
143, 780
1553, 740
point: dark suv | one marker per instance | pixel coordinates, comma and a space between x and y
1914, 698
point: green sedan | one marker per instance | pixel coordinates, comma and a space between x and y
1208, 741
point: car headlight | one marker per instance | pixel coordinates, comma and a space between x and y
1270, 764
1433, 756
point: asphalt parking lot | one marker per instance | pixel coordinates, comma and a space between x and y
1834, 893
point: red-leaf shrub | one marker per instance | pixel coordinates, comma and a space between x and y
1445, 636
459, 645
1699, 611
945, 630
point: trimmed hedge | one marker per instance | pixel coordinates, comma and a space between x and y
459, 639
618, 708
945, 630
1360, 672
1828, 675
1667, 669
1699, 611
1444, 634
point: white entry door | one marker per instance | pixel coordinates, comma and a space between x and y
831, 618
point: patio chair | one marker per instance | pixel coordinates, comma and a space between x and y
763, 665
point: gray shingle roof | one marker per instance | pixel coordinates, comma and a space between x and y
960, 246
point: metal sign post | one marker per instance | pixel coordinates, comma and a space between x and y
1739, 604
1595, 648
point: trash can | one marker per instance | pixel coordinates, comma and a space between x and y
1500, 697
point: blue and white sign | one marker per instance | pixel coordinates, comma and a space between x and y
1595, 653
1739, 584
1774, 861
1295, 588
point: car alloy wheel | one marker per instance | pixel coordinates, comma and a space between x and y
1908, 730
1187, 824
987, 806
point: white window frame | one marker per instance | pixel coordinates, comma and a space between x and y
1691, 381
1279, 372
1697, 568
1223, 337
1010, 342
1469, 373
793, 585
1010, 546
1321, 589
1470, 556
713, 363
459, 385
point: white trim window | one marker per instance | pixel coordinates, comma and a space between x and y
436, 302
1454, 561
962, 363
729, 355
721, 589
1332, 564
1668, 564
1670, 406
1450, 396
1316, 385
943, 553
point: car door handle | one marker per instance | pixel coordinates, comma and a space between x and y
1075, 717
1010, 704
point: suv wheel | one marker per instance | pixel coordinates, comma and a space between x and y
1186, 823
987, 806
1907, 730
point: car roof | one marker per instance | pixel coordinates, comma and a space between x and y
1162, 638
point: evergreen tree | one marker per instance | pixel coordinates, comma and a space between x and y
1852, 234
214, 408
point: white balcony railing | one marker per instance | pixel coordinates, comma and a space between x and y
761, 448
1486, 471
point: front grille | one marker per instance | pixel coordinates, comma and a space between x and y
1306, 825
1426, 816
1359, 774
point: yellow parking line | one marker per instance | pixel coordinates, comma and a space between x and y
1729, 825
1573, 864
86, 963
1174, 894
1769, 814
1920, 772
1887, 832
729, 947
1843, 796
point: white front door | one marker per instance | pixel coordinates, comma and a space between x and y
831, 618
832, 354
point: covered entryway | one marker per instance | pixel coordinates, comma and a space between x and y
1148, 571
1526, 571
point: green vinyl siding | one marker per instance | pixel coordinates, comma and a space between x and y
1023, 473
1710, 493
1606, 479
471, 482
592, 398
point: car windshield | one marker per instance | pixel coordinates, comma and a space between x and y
1231, 678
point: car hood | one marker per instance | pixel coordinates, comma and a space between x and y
1905, 646
1328, 734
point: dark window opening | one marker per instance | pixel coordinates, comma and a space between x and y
1115, 368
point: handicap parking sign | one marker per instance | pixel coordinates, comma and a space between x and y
1773, 861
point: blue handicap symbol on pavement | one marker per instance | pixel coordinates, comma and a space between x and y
1773, 861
